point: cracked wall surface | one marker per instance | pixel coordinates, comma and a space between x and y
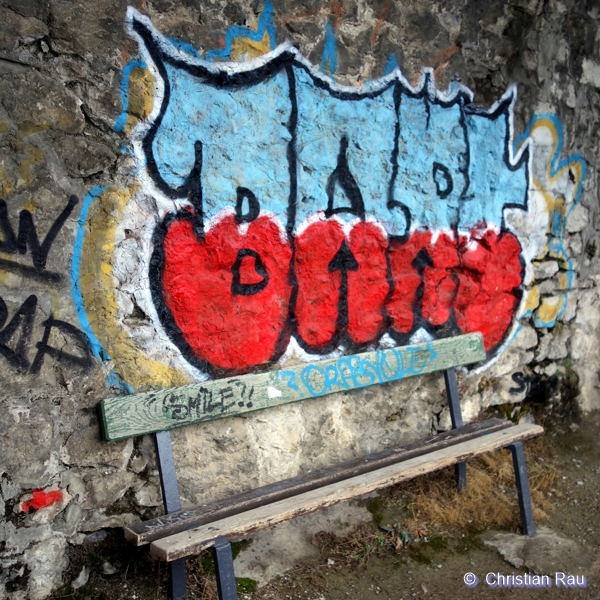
427, 245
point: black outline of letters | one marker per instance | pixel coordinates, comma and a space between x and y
28, 238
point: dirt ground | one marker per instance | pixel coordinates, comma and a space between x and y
427, 560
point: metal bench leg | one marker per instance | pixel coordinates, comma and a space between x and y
525, 506
224, 570
177, 583
460, 476
460, 469
170, 493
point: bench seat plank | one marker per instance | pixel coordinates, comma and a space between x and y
237, 526
128, 416
148, 531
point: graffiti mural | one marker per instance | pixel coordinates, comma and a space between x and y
277, 214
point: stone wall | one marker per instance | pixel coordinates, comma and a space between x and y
399, 171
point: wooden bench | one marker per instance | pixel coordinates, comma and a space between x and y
181, 533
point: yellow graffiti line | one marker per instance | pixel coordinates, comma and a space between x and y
533, 299
563, 278
4, 274
549, 309
140, 97
574, 166
552, 203
100, 301
243, 48
55, 302
30, 205
30, 129
35, 156
247, 49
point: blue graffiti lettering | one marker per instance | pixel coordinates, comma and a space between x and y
291, 377
386, 371
419, 158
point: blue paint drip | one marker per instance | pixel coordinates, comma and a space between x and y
390, 65
122, 118
559, 222
95, 344
329, 61
265, 24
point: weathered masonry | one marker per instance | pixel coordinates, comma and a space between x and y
204, 190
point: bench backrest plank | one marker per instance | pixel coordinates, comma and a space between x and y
128, 416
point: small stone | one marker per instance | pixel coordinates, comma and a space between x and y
98, 521
105, 489
149, 495
96, 537
108, 569
45, 562
545, 269
82, 449
81, 579
590, 72
580, 482
138, 463
574, 427
550, 369
578, 219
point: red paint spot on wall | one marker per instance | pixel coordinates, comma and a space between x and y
41, 499
228, 294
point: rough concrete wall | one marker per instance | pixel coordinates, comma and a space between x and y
88, 301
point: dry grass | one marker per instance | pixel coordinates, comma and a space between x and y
490, 500
431, 505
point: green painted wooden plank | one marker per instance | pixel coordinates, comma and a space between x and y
127, 416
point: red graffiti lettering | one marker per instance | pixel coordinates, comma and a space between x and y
318, 297
229, 293
368, 286
342, 283
407, 280
491, 275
